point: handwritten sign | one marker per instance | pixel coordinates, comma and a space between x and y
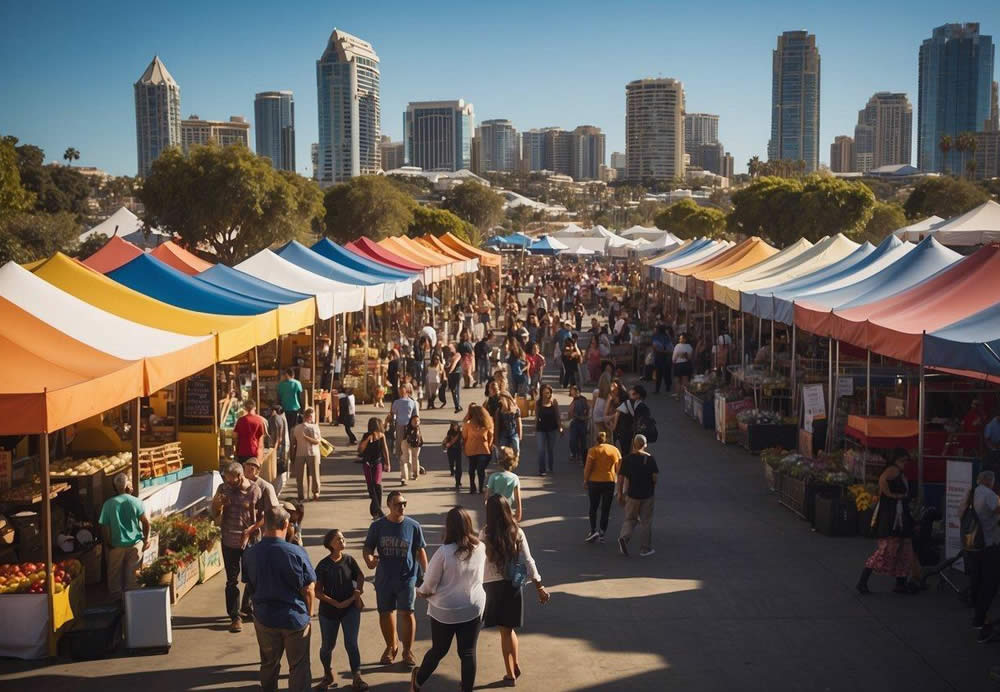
197, 404
813, 405
845, 386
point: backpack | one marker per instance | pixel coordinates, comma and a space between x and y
972, 531
646, 425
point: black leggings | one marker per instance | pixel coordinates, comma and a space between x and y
477, 467
601, 493
375, 493
467, 634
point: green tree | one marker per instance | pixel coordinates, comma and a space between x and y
26, 237
753, 166
438, 222
226, 198
945, 145
686, 219
89, 246
367, 206
306, 217
943, 196
475, 203
71, 154
885, 219
14, 198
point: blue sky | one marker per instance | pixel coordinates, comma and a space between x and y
67, 68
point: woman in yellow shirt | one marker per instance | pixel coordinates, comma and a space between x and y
599, 476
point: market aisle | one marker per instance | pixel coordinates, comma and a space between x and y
740, 594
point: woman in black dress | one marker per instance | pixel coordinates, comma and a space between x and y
893, 528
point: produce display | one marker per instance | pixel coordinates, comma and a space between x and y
756, 416
865, 496
86, 467
31, 492
30, 577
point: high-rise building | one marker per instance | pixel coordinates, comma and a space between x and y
558, 151
884, 134
194, 130
987, 155
350, 112
728, 166
708, 156
795, 81
314, 150
533, 150
993, 124
618, 163
842, 154
391, 153
157, 114
654, 129
438, 134
956, 75
700, 128
274, 118
586, 153
498, 146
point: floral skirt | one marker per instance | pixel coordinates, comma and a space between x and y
894, 557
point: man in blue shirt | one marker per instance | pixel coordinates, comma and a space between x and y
561, 336
663, 348
400, 413
283, 583
394, 547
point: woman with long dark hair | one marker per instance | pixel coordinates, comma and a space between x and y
453, 587
509, 566
548, 426
374, 462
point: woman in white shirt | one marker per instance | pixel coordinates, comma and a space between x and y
509, 566
453, 587
600, 403
682, 367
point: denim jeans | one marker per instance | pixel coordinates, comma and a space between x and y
329, 627
510, 441
578, 439
546, 450
232, 558
456, 394
482, 370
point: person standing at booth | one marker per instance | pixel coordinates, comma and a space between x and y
250, 429
290, 393
126, 533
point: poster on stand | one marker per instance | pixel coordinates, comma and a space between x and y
957, 486
813, 405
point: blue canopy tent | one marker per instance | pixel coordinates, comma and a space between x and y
377, 291
547, 245
971, 345
329, 249
694, 247
234, 280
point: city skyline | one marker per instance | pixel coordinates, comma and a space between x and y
90, 112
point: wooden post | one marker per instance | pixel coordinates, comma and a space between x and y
215, 403
136, 405
256, 377
47, 534
364, 357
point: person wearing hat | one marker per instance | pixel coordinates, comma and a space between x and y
296, 513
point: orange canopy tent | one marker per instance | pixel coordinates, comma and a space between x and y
180, 259
753, 254
435, 244
452, 265
678, 278
112, 255
488, 259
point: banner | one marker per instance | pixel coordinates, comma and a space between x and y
957, 485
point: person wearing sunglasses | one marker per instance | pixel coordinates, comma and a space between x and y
394, 548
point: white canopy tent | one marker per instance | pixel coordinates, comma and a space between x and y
980, 226
916, 232
332, 297
597, 245
580, 250
570, 230
127, 226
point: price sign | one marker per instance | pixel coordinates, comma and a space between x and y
813, 405
845, 386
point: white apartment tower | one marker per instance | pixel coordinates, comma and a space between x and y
654, 129
157, 114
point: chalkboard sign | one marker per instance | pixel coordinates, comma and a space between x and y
197, 404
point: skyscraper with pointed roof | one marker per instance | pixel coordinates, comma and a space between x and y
157, 114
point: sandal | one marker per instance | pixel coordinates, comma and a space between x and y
389, 656
409, 659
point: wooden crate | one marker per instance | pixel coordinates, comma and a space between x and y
184, 579
156, 462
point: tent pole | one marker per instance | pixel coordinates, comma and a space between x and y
829, 391
794, 369
920, 434
868, 384
743, 341
772, 341
135, 446
256, 376
43, 440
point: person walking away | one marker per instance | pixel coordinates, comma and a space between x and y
507, 424
305, 466
393, 372
432, 381
599, 476
339, 586
417, 369
599, 405
536, 366
277, 437
126, 534
400, 413
518, 366
452, 445
482, 353
290, 394
893, 528
283, 583
236, 505
394, 547
578, 314
477, 442
268, 500
579, 416
663, 349
636, 487
455, 597
979, 531
347, 414
571, 362
560, 342
506, 482
548, 423
465, 350
249, 430
413, 440
509, 566
453, 373
628, 416
374, 454
682, 366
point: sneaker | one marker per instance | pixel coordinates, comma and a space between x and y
646, 552
600, 538
623, 546
592, 536
986, 634
236, 625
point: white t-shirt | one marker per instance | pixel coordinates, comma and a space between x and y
682, 353
725, 340
455, 585
985, 501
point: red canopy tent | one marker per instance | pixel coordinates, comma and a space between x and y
366, 248
112, 255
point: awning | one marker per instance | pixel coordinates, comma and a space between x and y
486, 259
971, 344
367, 248
234, 280
440, 269
360, 262
726, 290
471, 264
112, 255
916, 232
547, 245
700, 283
452, 266
332, 297
375, 290
678, 276
180, 259
712, 248
169, 356
687, 247
976, 227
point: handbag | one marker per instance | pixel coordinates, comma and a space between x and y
443, 392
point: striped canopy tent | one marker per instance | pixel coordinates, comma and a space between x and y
440, 268
678, 276
332, 297
454, 267
376, 290
360, 262
711, 249
700, 283
368, 248
433, 242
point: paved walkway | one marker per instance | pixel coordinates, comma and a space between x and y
740, 595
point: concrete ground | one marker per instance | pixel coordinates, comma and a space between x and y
740, 595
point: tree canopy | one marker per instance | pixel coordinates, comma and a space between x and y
226, 198
367, 206
440, 221
26, 237
14, 197
475, 203
885, 219
686, 219
943, 196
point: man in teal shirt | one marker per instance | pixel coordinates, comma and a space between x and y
290, 396
126, 535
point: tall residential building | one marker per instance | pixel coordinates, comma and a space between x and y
586, 153
558, 151
993, 124
498, 146
533, 150
438, 134
314, 151
700, 128
350, 113
654, 129
987, 155
391, 153
157, 114
274, 118
842, 154
884, 134
956, 75
618, 163
795, 100
728, 166
708, 156
194, 130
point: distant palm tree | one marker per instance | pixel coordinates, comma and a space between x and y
71, 154
945, 145
753, 166
966, 145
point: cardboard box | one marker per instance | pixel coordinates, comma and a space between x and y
210, 563
184, 579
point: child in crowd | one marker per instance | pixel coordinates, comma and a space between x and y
413, 440
506, 482
379, 396
453, 446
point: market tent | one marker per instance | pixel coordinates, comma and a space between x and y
711, 249
570, 230
360, 262
236, 281
580, 251
486, 259
894, 326
169, 356
598, 245
112, 255
678, 276
971, 345
154, 278
440, 268
648, 233
332, 297
700, 283
688, 247
122, 223
375, 290
546, 245
916, 232
666, 253
517, 239
471, 264
180, 259
726, 289
234, 334
816, 313
647, 248
453, 266
976, 227
781, 305
371, 249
